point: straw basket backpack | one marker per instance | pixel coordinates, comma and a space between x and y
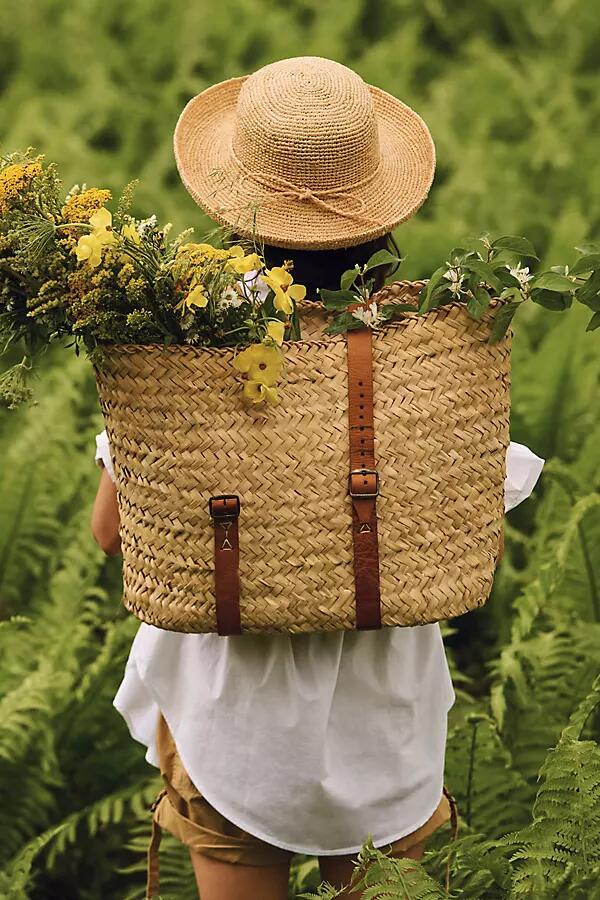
373, 494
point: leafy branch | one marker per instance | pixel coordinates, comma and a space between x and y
474, 276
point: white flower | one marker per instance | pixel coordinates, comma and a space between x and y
73, 192
520, 273
455, 278
145, 224
230, 297
370, 316
255, 285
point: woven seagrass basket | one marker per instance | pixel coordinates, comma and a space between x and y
180, 434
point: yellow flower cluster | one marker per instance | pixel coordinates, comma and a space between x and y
15, 180
202, 256
262, 363
80, 207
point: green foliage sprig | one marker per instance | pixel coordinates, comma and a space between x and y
473, 276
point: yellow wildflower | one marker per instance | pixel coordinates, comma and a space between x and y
241, 263
131, 233
15, 180
276, 330
101, 222
80, 207
261, 362
89, 248
256, 392
281, 282
196, 297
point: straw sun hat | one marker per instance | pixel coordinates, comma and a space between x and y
303, 153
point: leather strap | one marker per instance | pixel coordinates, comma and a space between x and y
224, 510
153, 865
454, 831
363, 481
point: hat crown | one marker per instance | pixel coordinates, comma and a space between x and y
308, 120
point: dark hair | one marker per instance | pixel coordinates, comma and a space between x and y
323, 268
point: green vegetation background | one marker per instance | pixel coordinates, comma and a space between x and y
511, 92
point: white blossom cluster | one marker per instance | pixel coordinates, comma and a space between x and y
76, 189
521, 273
456, 278
370, 316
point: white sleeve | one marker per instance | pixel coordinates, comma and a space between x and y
103, 457
523, 468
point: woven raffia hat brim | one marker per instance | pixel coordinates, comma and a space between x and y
215, 179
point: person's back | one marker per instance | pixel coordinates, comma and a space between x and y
276, 744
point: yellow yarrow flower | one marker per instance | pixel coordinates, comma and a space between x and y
257, 392
276, 330
15, 180
81, 206
203, 251
261, 362
281, 283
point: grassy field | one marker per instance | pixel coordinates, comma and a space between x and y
511, 92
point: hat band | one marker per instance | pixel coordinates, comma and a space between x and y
328, 199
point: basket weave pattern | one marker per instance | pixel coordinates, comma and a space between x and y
180, 434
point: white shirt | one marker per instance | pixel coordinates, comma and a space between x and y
308, 741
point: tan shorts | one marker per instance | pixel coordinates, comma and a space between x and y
181, 810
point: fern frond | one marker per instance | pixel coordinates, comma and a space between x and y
24, 709
490, 792
107, 811
380, 876
563, 841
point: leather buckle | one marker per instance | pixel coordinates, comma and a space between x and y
220, 509
363, 471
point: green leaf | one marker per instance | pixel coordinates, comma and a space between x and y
552, 281
516, 245
592, 302
484, 271
589, 289
342, 323
588, 248
594, 322
337, 299
348, 278
504, 277
502, 320
478, 304
551, 299
586, 263
391, 311
434, 281
457, 254
381, 258
509, 292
